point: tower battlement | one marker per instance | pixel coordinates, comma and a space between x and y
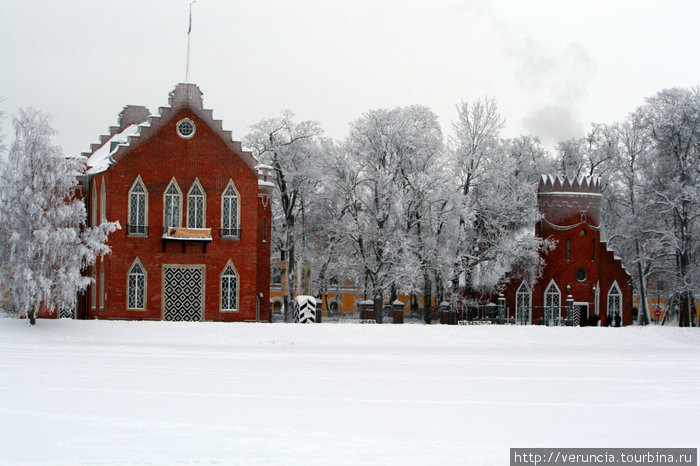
564, 184
565, 201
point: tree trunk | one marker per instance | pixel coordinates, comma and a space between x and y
644, 318
427, 297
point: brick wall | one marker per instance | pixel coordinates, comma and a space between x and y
157, 160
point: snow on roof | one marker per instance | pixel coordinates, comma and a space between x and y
101, 159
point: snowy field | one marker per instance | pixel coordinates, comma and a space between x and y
107, 392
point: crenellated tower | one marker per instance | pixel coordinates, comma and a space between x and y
581, 275
566, 202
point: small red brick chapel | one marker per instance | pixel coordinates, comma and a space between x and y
580, 272
195, 213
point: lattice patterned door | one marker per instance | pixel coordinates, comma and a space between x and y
67, 311
183, 293
577, 315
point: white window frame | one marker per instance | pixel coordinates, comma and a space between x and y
193, 197
523, 289
129, 273
547, 306
172, 183
138, 181
223, 276
614, 287
229, 229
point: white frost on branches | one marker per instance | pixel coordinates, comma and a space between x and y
44, 242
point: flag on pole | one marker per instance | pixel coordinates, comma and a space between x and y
189, 29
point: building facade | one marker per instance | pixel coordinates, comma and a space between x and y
580, 274
195, 216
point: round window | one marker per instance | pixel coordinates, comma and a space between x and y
185, 128
581, 275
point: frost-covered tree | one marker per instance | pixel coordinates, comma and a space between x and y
293, 150
46, 244
380, 173
497, 207
422, 204
629, 217
672, 120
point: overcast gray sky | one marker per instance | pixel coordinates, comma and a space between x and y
553, 66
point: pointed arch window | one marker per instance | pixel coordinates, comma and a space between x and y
196, 202
230, 212
523, 300
615, 300
138, 209
552, 303
229, 289
136, 286
172, 205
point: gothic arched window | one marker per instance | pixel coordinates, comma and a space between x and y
523, 300
196, 202
229, 288
138, 209
172, 204
230, 212
552, 304
136, 286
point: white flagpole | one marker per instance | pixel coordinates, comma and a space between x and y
189, 30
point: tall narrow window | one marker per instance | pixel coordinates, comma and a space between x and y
138, 204
136, 285
592, 250
93, 295
103, 202
195, 206
522, 304
229, 289
568, 249
615, 301
264, 232
171, 205
230, 204
552, 303
93, 202
102, 285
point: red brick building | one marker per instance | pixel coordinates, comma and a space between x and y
195, 215
580, 272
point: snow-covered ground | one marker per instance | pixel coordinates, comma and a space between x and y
110, 392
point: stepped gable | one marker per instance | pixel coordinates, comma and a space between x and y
183, 96
565, 201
